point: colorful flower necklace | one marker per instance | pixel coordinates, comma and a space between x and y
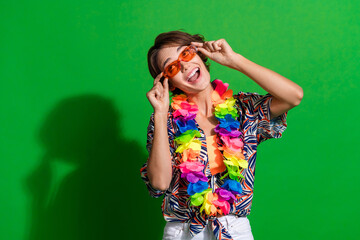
217, 202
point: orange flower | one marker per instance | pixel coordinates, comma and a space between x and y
177, 100
217, 99
229, 153
190, 155
208, 206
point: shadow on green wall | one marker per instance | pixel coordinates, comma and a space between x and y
87, 184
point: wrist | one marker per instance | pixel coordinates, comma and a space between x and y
160, 116
237, 62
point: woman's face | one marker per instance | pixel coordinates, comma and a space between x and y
185, 79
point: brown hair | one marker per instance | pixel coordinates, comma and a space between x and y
172, 38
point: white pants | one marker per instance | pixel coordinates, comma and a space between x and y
238, 227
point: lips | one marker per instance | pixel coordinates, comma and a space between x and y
192, 73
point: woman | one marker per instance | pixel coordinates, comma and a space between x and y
202, 150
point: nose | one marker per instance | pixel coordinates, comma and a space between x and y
184, 66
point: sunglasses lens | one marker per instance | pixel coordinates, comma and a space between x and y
188, 54
172, 70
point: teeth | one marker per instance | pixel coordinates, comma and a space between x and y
192, 74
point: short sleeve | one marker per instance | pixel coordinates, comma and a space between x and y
257, 108
143, 171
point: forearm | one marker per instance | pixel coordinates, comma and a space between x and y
159, 162
272, 82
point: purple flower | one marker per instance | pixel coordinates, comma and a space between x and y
194, 176
188, 117
225, 195
224, 132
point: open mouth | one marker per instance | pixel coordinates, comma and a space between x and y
194, 75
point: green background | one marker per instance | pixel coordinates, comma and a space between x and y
73, 80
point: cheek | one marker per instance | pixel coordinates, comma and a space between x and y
176, 79
203, 66
173, 82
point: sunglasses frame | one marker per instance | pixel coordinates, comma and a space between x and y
177, 62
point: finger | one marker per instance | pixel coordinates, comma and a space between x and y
205, 52
151, 95
159, 86
214, 46
158, 77
166, 86
217, 45
197, 44
209, 45
161, 89
152, 99
155, 81
207, 48
158, 93
158, 83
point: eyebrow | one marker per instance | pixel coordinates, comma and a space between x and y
169, 58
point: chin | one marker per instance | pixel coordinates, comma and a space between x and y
204, 80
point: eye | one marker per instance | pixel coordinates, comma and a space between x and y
172, 68
187, 54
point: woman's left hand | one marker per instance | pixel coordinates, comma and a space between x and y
218, 51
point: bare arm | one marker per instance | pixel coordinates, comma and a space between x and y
159, 166
286, 94
159, 162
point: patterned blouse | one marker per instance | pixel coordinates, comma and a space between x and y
254, 118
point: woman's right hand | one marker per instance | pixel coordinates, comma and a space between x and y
158, 95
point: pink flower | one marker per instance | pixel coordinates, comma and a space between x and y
223, 205
234, 144
187, 167
185, 114
220, 87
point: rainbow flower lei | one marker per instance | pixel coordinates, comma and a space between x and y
218, 201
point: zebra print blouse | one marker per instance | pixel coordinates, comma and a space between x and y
254, 118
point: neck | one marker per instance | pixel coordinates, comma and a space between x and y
203, 101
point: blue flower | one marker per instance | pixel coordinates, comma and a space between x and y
186, 125
232, 185
229, 123
197, 187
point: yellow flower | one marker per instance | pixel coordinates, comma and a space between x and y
208, 206
193, 144
233, 161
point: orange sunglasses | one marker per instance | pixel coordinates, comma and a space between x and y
186, 55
